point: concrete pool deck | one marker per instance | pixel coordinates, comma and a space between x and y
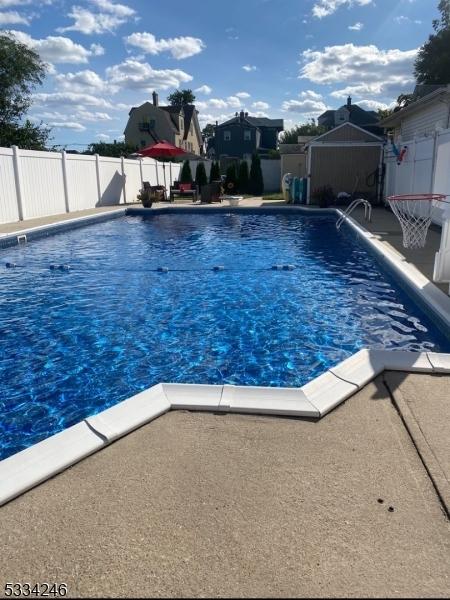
208, 505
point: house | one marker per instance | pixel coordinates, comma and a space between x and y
427, 112
243, 135
417, 162
151, 123
351, 113
349, 159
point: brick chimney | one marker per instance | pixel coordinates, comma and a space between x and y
241, 115
155, 99
349, 101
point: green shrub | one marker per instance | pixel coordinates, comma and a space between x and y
256, 181
214, 175
231, 180
186, 175
200, 175
243, 177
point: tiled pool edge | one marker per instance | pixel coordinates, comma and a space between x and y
34, 465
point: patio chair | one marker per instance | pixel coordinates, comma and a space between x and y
183, 190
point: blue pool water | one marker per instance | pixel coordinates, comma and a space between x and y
74, 343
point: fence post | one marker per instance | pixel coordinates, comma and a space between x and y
170, 174
141, 169
99, 187
157, 174
17, 178
124, 180
66, 187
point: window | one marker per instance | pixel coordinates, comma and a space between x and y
247, 135
143, 143
151, 123
226, 136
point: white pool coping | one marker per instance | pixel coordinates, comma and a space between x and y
30, 467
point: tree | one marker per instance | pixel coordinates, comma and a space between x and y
200, 175
116, 150
256, 181
186, 175
21, 70
27, 136
208, 131
432, 65
231, 179
383, 113
243, 177
181, 97
310, 128
214, 174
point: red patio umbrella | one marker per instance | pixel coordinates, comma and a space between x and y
162, 150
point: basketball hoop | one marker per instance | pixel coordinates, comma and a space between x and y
415, 213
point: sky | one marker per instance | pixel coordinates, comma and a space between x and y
289, 59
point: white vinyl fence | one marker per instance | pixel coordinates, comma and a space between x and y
39, 184
425, 168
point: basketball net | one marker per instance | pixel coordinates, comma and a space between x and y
415, 213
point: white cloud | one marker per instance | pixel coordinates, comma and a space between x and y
83, 81
35, 3
137, 75
234, 102
325, 8
204, 89
87, 22
61, 100
311, 104
402, 20
120, 10
180, 47
373, 89
356, 27
85, 115
68, 125
358, 65
13, 18
249, 68
260, 105
103, 137
217, 103
58, 49
242, 95
370, 104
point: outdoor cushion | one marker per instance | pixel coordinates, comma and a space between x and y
185, 187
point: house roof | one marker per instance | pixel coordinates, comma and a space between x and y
358, 116
322, 138
425, 95
255, 122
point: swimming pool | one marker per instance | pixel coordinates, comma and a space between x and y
76, 342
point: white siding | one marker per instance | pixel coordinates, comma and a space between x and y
425, 121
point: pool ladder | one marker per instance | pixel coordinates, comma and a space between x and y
351, 207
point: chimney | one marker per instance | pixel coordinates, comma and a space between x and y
246, 115
155, 99
241, 115
349, 101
